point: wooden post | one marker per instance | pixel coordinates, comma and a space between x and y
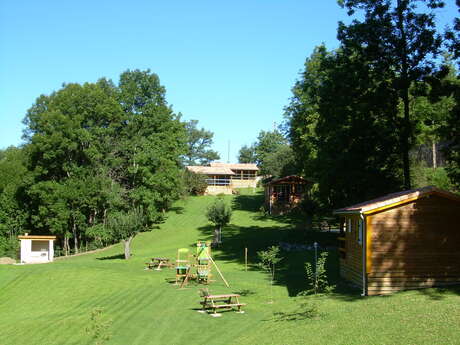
246, 258
218, 271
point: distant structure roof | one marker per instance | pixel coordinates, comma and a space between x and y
289, 179
396, 198
210, 170
236, 166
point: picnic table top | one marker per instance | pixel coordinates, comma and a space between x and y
161, 259
221, 296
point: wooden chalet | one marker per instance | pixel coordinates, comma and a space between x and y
405, 240
283, 194
225, 177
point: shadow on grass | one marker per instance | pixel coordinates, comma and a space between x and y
290, 271
177, 209
112, 257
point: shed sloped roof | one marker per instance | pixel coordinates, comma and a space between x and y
287, 179
206, 170
237, 166
396, 198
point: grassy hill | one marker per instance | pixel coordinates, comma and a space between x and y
52, 303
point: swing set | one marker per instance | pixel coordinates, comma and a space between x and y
197, 267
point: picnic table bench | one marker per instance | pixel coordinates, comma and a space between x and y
216, 302
158, 263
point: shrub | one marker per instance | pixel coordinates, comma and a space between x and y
194, 184
219, 213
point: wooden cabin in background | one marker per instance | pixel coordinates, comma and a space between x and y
224, 178
405, 240
283, 194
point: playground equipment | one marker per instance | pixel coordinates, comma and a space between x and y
202, 263
182, 265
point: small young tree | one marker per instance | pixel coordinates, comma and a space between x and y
317, 276
125, 225
268, 260
219, 213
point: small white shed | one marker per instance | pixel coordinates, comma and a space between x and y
37, 249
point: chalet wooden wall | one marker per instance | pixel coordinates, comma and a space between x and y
351, 265
414, 245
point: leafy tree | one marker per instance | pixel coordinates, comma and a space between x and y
339, 107
219, 213
247, 154
302, 113
267, 144
271, 152
97, 149
153, 141
199, 142
124, 226
451, 131
13, 178
281, 163
399, 40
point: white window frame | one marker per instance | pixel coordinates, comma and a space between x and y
360, 231
349, 225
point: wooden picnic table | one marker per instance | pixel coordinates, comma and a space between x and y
226, 301
158, 263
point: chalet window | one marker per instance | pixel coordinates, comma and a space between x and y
360, 231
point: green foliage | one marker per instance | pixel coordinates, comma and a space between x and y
93, 150
9, 247
247, 154
331, 133
219, 213
98, 328
194, 184
425, 176
272, 153
408, 29
13, 180
317, 277
124, 225
199, 142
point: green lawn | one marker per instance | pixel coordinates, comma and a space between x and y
52, 303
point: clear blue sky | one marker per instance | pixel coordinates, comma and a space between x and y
228, 64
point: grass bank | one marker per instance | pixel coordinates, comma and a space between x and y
52, 303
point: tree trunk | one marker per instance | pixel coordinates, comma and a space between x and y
216, 236
75, 237
66, 245
405, 83
433, 150
127, 247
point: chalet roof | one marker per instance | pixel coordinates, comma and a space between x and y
236, 166
207, 170
289, 179
394, 199
36, 237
